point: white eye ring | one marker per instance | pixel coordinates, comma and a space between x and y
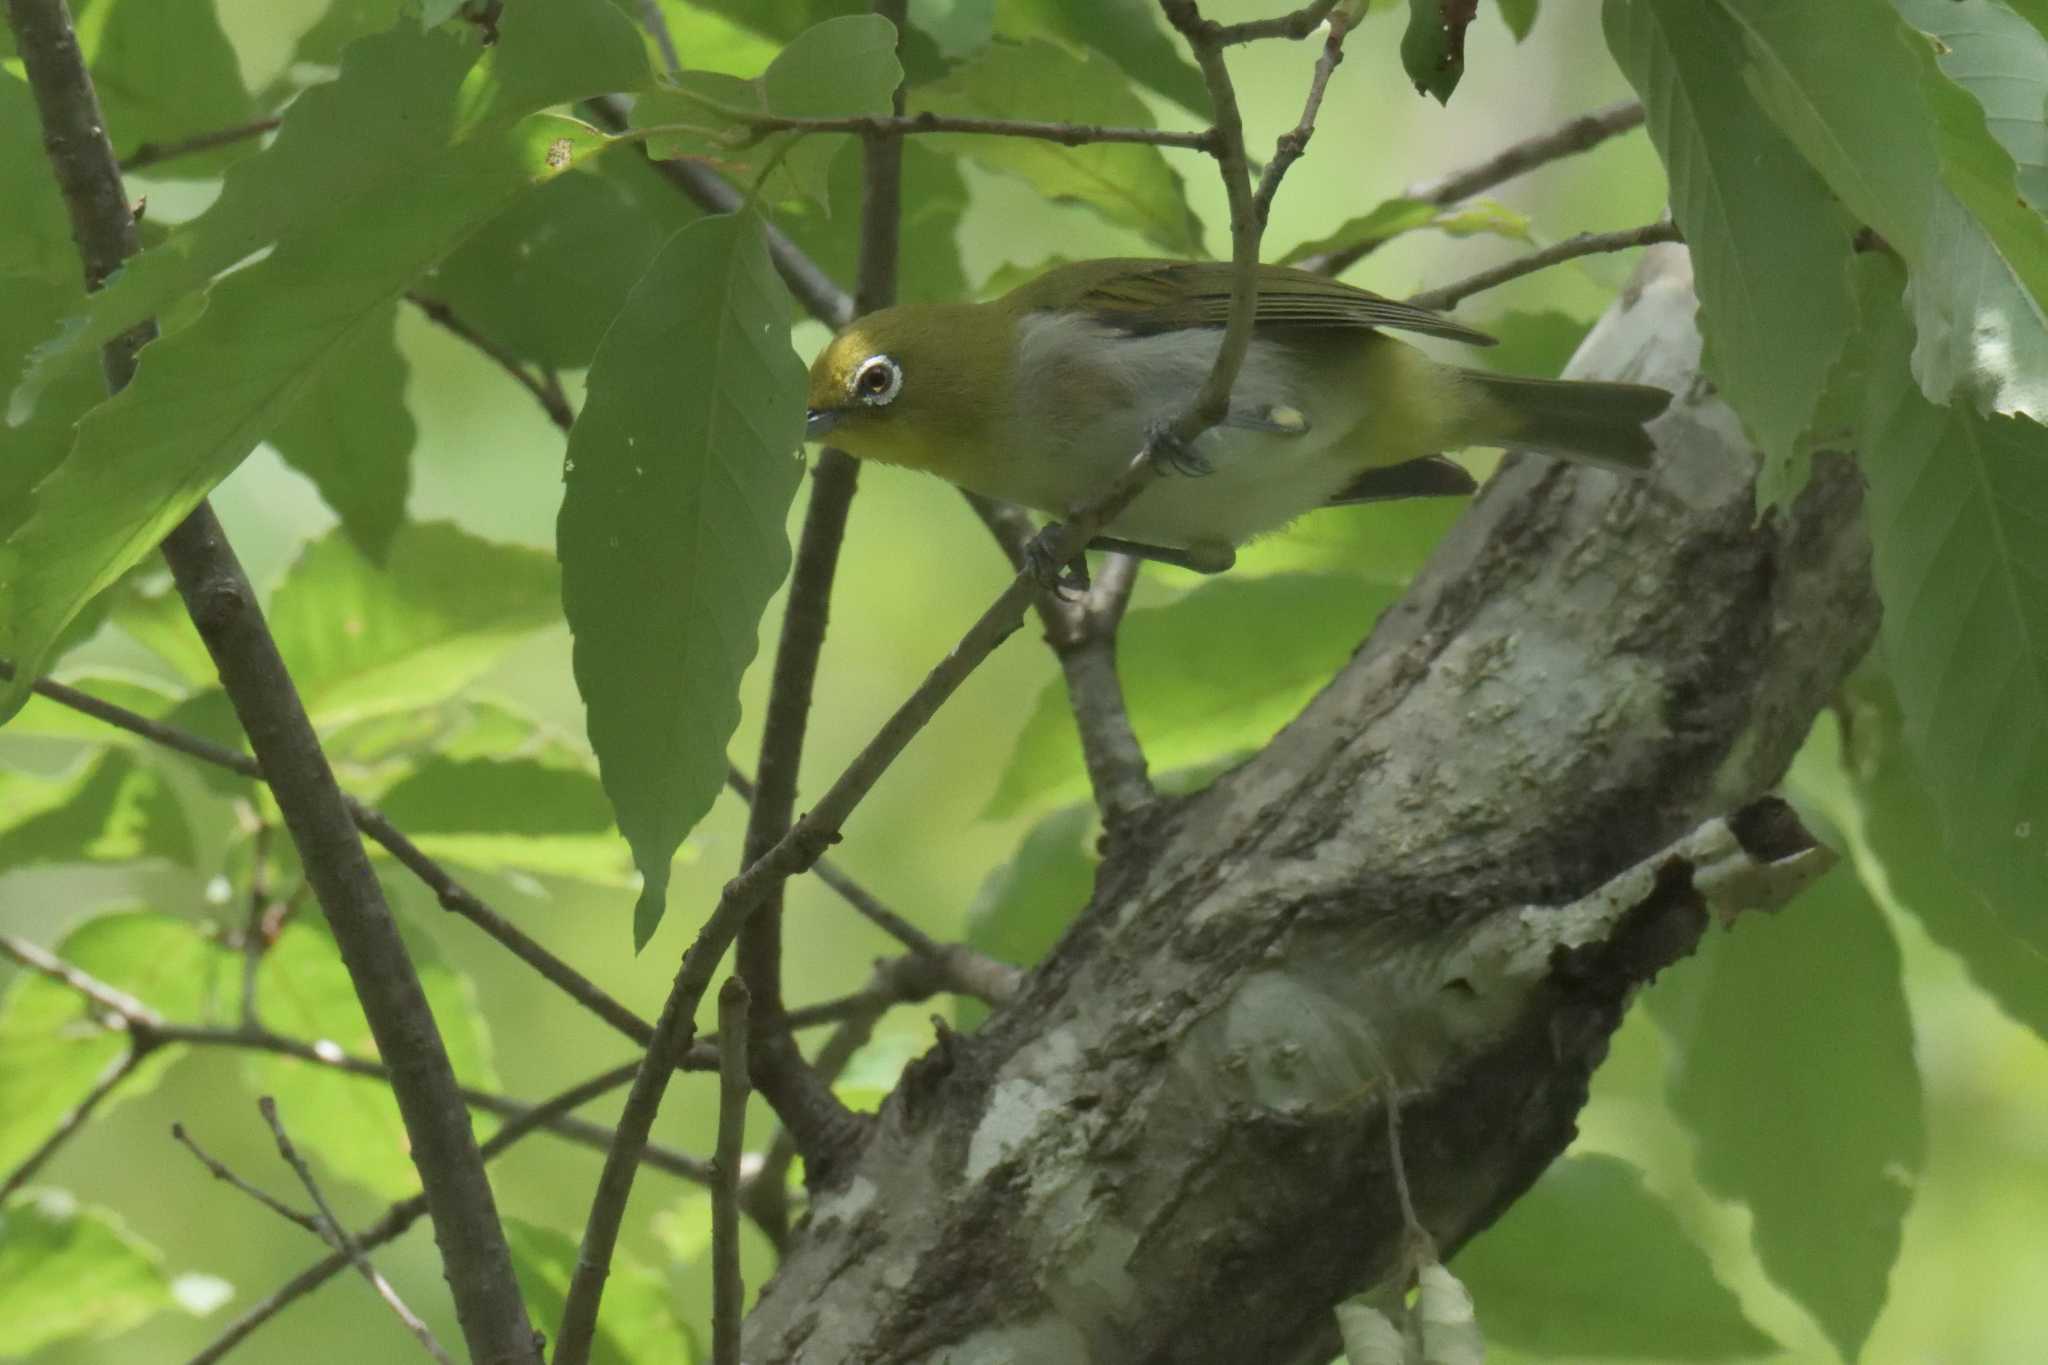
878, 380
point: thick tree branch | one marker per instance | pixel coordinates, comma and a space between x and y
1453, 868
223, 608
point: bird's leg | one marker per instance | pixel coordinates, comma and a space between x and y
1173, 455
1066, 581
1201, 559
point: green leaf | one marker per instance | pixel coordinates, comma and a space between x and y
68, 1273
1519, 16
2002, 60
934, 201
782, 19
1900, 841
1128, 32
959, 28
638, 1328
1212, 674
352, 1122
841, 68
1539, 343
351, 435
1769, 243
1433, 45
115, 811
510, 813
1589, 1263
1127, 183
164, 71
530, 281
1394, 217
679, 478
360, 639
394, 128
53, 1041
1027, 903
1807, 1007
1920, 167
1957, 507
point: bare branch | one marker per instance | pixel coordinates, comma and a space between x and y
728, 1292
1576, 135
544, 389
907, 125
127, 1011
150, 153
220, 1172
1294, 141
1298, 24
331, 1231
1571, 248
109, 1080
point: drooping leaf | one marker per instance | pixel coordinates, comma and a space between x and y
1433, 45
639, 1327
530, 280
394, 128
2002, 60
1128, 32
1769, 243
1591, 1264
1795, 1073
1127, 183
1399, 215
1957, 507
351, 1123
1519, 16
680, 472
53, 1041
69, 1273
1212, 674
350, 433
841, 68
1919, 166
164, 71
360, 639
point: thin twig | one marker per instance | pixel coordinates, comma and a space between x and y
452, 894
1576, 135
548, 395
220, 1172
1299, 24
402, 1215
150, 153
126, 1010
1294, 141
908, 125
336, 1235
728, 1292
109, 1080
254, 941
1571, 248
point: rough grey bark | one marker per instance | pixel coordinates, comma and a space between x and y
1442, 882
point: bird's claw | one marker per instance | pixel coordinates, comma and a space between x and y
1065, 581
1173, 455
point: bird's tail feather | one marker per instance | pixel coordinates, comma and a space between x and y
1590, 422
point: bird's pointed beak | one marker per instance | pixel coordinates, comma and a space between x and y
818, 422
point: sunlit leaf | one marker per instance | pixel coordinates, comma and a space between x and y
350, 1122
680, 472
68, 1273
638, 1327
1212, 674
1795, 1073
1127, 183
116, 810
1769, 243
361, 639
1589, 1264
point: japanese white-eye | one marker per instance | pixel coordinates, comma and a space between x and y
1042, 396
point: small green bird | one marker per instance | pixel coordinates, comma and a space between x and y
1041, 398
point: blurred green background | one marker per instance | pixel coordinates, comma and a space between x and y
917, 568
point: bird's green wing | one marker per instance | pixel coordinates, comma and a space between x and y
1161, 296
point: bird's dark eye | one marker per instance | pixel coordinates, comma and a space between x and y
878, 380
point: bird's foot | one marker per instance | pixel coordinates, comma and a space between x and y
1065, 581
1171, 454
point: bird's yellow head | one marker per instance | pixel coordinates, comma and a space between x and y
917, 385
